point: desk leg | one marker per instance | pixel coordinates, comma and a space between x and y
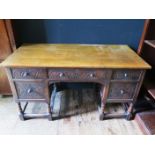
21, 113
50, 111
103, 95
129, 113
51, 102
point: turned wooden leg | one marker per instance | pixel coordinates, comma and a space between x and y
103, 94
25, 106
21, 113
102, 107
51, 102
102, 114
50, 111
129, 113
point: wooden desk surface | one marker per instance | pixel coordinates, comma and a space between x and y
75, 56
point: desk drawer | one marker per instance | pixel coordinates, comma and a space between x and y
126, 75
122, 90
30, 90
29, 73
77, 74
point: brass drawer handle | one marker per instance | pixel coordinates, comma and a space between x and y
29, 90
24, 74
125, 75
37, 73
92, 75
122, 92
61, 74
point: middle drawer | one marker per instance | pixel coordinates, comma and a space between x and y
78, 74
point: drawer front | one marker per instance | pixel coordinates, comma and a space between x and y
126, 75
77, 74
121, 90
29, 73
30, 90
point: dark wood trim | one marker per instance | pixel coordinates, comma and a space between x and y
104, 94
31, 100
130, 105
125, 81
139, 84
150, 43
146, 122
9, 30
33, 116
8, 49
25, 106
28, 80
50, 109
119, 100
13, 89
21, 113
144, 130
110, 116
105, 84
145, 31
145, 117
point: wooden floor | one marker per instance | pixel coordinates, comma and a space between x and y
74, 116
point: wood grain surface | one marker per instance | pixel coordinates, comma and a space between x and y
77, 120
75, 55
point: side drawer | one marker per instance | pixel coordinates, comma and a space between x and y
126, 75
122, 90
29, 73
31, 90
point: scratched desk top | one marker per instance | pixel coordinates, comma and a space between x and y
75, 56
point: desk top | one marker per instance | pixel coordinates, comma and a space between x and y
75, 56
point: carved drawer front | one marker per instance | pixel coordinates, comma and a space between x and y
77, 74
126, 74
30, 90
29, 73
121, 90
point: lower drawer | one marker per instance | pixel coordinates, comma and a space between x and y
121, 91
31, 90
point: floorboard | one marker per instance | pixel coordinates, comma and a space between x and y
71, 117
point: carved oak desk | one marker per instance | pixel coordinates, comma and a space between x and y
117, 68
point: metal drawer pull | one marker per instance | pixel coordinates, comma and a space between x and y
29, 90
92, 75
61, 74
37, 73
24, 74
125, 75
122, 92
